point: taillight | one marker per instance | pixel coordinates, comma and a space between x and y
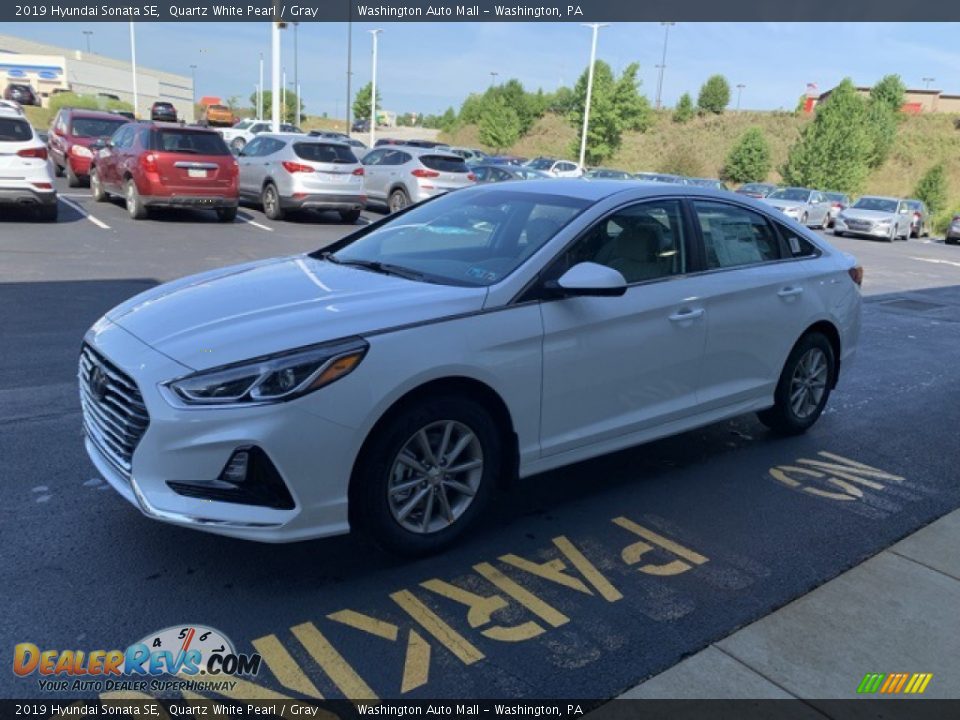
40, 153
149, 163
421, 173
916, 214
856, 274
295, 167
838, 205
358, 171
471, 177
42, 186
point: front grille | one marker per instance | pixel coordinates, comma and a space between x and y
114, 415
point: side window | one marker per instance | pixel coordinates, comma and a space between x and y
253, 148
145, 138
480, 173
797, 245
643, 242
121, 138
735, 236
270, 146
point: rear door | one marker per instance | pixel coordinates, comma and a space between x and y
336, 170
452, 171
193, 162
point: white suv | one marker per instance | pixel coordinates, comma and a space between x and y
246, 130
557, 168
25, 177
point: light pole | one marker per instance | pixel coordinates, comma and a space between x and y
493, 78
927, 81
260, 91
133, 66
283, 96
663, 61
373, 88
88, 33
740, 87
275, 76
586, 108
296, 74
349, 73
193, 85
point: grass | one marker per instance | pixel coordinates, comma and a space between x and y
922, 141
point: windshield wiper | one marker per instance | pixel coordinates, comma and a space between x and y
376, 266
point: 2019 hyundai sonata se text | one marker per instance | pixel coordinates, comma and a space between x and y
389, 382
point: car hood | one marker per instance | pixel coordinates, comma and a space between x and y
246, 311
784, 204
858, 214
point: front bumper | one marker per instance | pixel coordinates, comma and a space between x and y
324, 201
27, 196
79, 165
190, 201
313, 455
874, 231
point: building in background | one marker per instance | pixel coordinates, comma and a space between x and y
916, 101
50, 69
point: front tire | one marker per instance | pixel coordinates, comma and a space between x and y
96, 186
73, 180
270, 199
426, 474
804, 386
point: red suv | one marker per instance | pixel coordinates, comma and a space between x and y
166, 165
70, 137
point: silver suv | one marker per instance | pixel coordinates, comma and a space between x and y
400, 175
289, 171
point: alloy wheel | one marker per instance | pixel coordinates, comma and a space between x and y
809, 383
435, 477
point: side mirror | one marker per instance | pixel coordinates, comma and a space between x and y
100, 143
588, 279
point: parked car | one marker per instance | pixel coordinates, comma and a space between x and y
470, 154
361, 125
838, 202
162, 111
660, 178
124, 114
952, 236
154, 165
557, 168
918, 218
71, 134
808, 207
245, 130
400, 176
506, 160
756, 190
25, 177
359, 147
607, 174
880, 217
21, 93
708, 183
286, 172
217, 116
501, 173
387, 383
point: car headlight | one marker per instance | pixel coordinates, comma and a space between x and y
272, 378
792, 211
885, 221
80, 151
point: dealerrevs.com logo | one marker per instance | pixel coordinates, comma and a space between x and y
190, 651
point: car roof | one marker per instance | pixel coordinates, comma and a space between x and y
84, 112
7, 111
307, 137
597, 190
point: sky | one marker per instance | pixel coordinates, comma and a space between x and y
427, 67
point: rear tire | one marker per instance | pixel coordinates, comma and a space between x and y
350, 216
804, 386
450, 502
47, 213
135, 207
398, 200
270, 199
227, 214
96, 186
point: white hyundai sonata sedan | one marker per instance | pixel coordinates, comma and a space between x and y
390, 382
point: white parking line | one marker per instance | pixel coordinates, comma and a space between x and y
250, 221
936, 261
70, 203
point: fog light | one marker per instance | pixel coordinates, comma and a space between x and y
236, 470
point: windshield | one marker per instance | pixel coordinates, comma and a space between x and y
465, 238
835, 197
792, 194
541, 164
89, 127
879, 204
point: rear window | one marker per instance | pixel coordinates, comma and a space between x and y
89, 127
165, 106
444, 163
324, 152
191, 142
15, 130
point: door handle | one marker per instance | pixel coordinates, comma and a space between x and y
686, 315
790, 292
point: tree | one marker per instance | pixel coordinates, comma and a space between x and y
499, 125
361, 102
684, 110
290, 113
889, 91
883, 116
834, 148
634, 108
749, 159
448, 121
932, 189
714, 95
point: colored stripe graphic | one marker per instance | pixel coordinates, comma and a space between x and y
894, 683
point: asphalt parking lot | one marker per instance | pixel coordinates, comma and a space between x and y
581, 582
